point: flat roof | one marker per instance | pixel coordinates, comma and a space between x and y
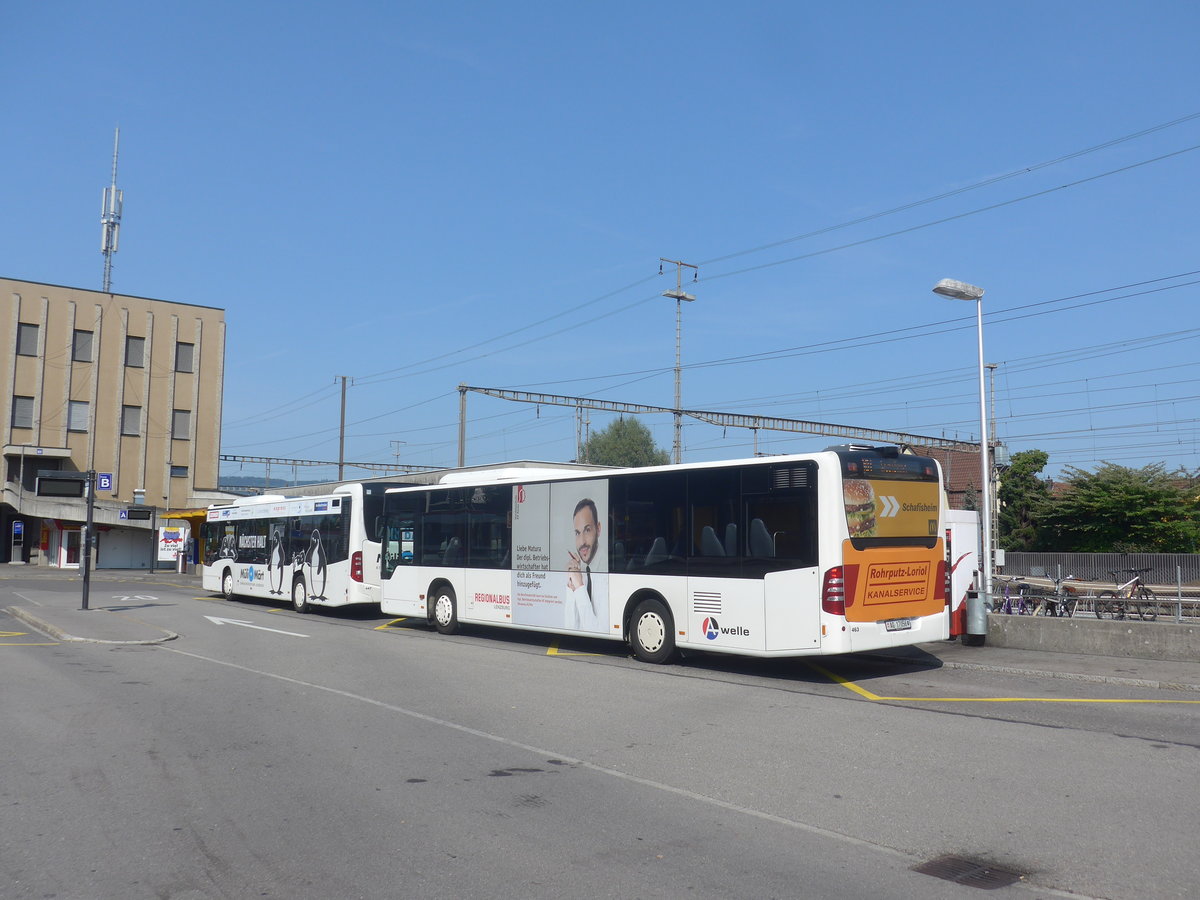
68, 287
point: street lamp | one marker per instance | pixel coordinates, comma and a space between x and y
960, 290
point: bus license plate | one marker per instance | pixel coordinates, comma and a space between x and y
898, 625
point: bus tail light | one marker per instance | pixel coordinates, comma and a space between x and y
356, 569
939, 582
833, 592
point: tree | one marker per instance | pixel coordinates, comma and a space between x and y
1023, 497
625, 442
1123, 510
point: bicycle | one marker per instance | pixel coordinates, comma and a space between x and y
1131, 597
1060, 603
1006, 603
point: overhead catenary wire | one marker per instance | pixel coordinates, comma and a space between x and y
767, 355
1035, 309
392, 373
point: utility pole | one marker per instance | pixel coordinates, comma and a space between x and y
678, 296
579, 435
89, 529
993, 470
342, 431
396, 445
462, 425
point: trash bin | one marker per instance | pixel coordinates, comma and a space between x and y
977, 621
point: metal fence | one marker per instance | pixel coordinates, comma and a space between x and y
1165, 568
1175, 577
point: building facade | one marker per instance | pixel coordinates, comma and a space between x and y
127, 387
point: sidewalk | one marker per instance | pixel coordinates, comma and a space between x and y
59, 616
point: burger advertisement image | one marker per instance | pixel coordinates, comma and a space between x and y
859, 498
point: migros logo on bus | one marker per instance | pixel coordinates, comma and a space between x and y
712, 629
252, 574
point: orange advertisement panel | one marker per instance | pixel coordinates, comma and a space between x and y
887, 509
894, 582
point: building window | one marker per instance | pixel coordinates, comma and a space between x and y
131, 420
78, 415
22, 413
181, 424
179, 471
135, 351
81, 348
27, 339
184, 354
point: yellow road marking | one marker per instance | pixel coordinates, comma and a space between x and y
846, 683
388, 625
553, 650
13, 633
863, 692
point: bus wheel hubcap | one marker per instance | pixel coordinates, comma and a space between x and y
650, 632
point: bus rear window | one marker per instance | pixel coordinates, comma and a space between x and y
889, 466
890, 499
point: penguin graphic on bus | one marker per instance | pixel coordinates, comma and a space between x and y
276, 561
314, 566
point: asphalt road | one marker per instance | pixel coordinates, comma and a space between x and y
342, 755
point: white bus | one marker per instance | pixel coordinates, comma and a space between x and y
314, 551
830, 552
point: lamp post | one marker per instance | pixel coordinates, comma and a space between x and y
678, 296
959, 290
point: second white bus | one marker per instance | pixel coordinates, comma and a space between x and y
830, 552
312, 551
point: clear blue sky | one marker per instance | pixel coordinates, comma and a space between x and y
418, 195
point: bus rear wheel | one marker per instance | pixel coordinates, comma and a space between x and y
299, 596
652, 632
445, 610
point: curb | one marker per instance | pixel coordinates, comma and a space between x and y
1119, 680
1077, 676
58, 634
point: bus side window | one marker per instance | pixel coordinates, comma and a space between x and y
489, 527
443, 532
649, 515
780, 512
713, 512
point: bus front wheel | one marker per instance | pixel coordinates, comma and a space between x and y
652, 632
227, 585
445, 610
299, 596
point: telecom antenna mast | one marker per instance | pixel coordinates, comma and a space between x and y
110, 218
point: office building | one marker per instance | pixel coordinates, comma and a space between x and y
126, 387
